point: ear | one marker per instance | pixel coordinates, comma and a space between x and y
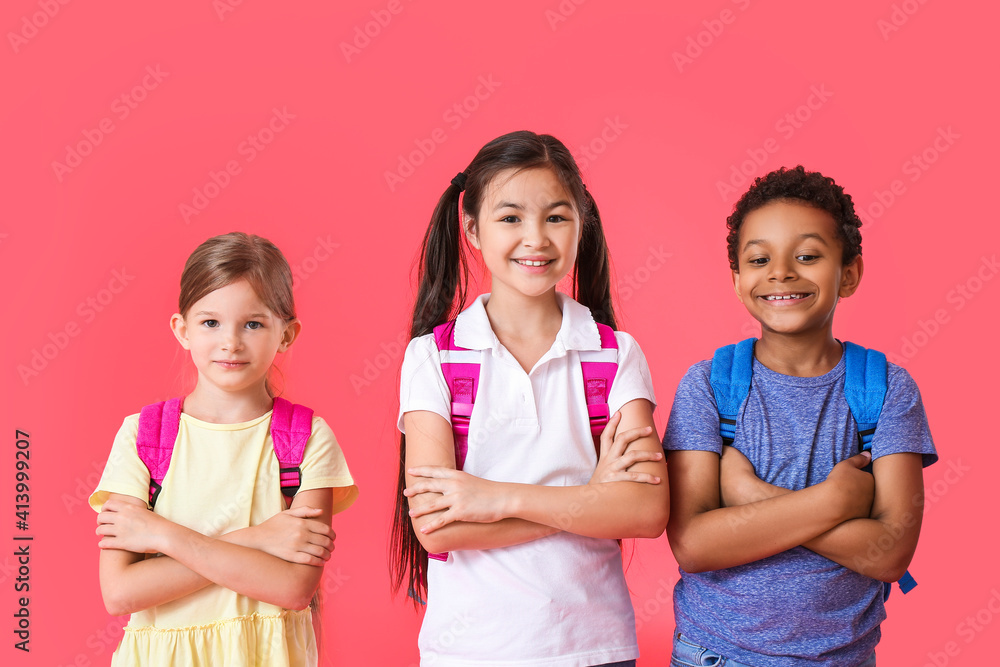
291, 332
736, 285
179, 327
851, 277
469, 225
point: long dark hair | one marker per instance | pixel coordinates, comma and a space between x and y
444, 280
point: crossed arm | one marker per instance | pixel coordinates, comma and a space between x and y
879, 545
724, 516
279, 561
453, 510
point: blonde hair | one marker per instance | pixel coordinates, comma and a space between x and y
225, 259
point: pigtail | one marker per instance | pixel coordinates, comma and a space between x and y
442, 277
592, 273
443, 267
443, 282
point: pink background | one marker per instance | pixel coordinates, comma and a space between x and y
655, 135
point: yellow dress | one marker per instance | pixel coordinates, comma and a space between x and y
222, 477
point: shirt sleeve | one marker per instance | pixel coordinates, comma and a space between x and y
124, 473
902, 425
632, 380
422, 385
694, 417
324, 466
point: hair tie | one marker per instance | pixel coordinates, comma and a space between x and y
459, 181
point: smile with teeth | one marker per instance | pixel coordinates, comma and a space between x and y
784, 297
531, 262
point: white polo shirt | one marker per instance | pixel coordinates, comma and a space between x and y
560, 600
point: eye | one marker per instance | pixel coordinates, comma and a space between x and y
509, 218
254, 325
807, 258
556, 218
211, 324
757, 261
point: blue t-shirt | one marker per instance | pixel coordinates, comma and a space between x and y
796, 607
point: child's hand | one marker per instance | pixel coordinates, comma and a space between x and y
294, 536
464, 497
854, 488
738, 480
614, 462
130, 526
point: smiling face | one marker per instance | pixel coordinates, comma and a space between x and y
791, 274
527, 230
233, 337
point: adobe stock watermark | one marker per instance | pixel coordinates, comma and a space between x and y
58, 340
787, 125
587, 153
224, 7
654, 604
454, 117
248, 149
913, 168
899, 16
365, 33
957, 298
98, 642
458, 626
561, 12
121, 108
967, 631
712, 30
876, 549
322, 251
388, 356
637, 278
32, 23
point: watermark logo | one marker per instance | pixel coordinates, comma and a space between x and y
455, 116
32, 23
122, 108
712, 30
787, 126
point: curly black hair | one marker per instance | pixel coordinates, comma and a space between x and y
808, 187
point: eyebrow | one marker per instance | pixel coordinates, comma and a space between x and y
210, 313
519, 207
802, 237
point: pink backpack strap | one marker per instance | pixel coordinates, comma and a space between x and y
599, 369
158, 425
291, 426
461, 372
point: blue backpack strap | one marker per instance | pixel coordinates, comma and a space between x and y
866, 382
291, 426
154, 442
865, 385
732, 370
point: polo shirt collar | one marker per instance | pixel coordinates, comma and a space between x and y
578, 330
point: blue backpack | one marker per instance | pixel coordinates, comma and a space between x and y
865, 386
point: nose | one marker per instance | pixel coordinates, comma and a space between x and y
231, 339
535, 234
781, 269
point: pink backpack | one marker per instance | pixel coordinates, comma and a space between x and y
461, 371
291, 426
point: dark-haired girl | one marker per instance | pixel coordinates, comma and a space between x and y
527, 568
